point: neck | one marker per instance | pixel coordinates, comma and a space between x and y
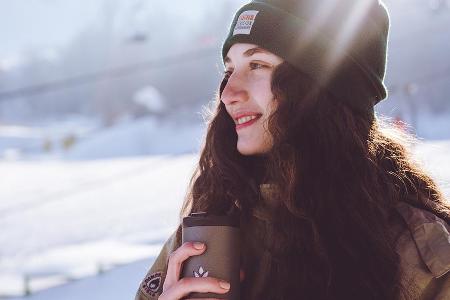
259, 169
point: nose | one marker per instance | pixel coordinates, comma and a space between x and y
234, 90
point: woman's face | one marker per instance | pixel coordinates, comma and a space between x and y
248, 95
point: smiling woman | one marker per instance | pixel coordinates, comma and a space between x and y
331, 204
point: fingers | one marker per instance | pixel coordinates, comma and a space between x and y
177, 258
187, 285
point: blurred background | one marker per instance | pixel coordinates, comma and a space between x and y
101, 124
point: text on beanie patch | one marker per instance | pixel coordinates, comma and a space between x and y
245, 22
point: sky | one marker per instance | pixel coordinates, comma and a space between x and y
44, 27
39, 24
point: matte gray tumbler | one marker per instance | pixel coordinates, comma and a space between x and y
221, 258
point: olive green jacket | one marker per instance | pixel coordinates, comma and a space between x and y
423, 245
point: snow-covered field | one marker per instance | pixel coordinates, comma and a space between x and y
80, 138
66, 220
72, 219
119, 283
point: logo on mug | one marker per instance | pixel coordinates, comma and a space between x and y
200, 273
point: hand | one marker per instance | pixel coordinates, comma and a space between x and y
175, 288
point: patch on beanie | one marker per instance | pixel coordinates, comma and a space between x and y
245, 22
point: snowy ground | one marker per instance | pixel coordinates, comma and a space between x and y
71, 219
65, 220
119, 283
79, 138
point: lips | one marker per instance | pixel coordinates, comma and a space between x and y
246, 120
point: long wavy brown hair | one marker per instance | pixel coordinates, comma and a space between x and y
341, 177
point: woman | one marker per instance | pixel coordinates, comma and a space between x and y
331, 206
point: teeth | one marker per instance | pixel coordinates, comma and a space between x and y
245, 119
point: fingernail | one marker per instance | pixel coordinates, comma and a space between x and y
198, 245
225, 285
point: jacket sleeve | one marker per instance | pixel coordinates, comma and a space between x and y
440, 288
151, 286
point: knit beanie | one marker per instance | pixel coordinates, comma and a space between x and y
341, 44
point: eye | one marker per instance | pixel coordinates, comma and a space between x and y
227, 73
255, 65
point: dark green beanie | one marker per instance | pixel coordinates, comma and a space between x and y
341, 44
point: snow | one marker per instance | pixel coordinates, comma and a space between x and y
151, 98
127, 138
30, 139
145, 136
68, 218
102, 203
119, 283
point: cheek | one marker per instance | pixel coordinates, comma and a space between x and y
263, 92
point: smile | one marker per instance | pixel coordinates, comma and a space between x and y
246, 121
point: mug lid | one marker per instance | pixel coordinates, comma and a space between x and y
205, 219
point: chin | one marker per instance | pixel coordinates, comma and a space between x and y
247, 151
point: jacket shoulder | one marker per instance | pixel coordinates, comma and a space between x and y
424, 249
431, 236
151, 286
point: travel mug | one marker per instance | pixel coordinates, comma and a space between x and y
221, 258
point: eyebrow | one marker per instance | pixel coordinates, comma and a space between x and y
249, 53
